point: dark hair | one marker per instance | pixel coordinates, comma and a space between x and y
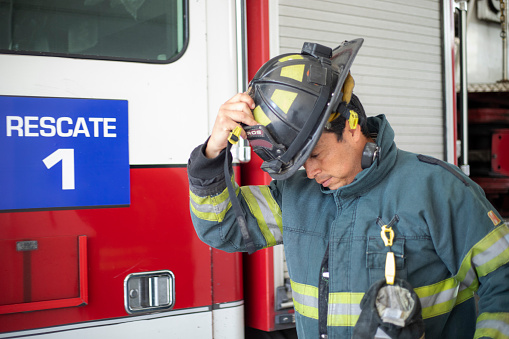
337, 125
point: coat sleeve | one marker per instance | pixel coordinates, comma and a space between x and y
214, 219
473, 241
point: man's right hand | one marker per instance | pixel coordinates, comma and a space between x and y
233, 112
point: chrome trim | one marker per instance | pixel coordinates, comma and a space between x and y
104, 322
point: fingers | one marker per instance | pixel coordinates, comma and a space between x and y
233, 112
239, 109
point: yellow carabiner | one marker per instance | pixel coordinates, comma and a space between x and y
233, 138
387, 241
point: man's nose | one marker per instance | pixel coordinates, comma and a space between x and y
311, 170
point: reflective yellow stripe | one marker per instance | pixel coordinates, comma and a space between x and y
273, 206
305, 299
212, 208
291, 57
492, 325
260, 116
440, 298
496, 255
283, 99
266, 211
487, 255
344, 309
295, 72
342, 319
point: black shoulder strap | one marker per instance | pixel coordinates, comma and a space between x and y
434, 161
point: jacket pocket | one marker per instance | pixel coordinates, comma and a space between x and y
376, 254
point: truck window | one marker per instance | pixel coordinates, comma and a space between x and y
154, 31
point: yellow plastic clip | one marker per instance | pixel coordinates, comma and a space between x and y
353, 120
234, 135
390, 268
387, 241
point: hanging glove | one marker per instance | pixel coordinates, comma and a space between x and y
390, 311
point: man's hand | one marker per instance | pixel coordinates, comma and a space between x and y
231, 113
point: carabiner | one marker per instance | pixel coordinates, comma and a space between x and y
387, 241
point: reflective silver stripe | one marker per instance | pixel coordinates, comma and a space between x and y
485, 256
494, 324
380, 334
211, 208
267, 213
494, 250
439, 297
305, 300
344, 309
470, 277
462, 287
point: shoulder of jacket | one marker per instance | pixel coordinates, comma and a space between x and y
444, 165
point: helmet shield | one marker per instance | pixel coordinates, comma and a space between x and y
294, 95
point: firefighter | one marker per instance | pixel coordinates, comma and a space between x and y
447, 243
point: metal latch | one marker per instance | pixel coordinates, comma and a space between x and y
284, 296
149, 292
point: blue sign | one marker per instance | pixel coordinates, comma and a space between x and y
60, 152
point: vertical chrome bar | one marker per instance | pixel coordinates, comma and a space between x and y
241, 151
503, 35
465, 167
449, 85
240, 9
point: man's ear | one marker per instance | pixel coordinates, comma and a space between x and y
356, 133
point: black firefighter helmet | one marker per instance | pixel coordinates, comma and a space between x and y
294, 96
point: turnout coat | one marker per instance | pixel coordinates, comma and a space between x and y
449, 242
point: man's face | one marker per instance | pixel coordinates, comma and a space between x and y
334, 163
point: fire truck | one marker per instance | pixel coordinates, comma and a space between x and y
102, 101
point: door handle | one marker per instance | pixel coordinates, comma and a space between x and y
149, 292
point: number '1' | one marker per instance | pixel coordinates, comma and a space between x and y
66, 155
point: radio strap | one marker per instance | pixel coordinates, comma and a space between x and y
239, 212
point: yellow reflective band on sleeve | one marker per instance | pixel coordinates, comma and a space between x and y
492, 325
487, 255
260, 116
266, 211
440, 298
305, 299
291, 57
283, 99
212, 208
295, 72
344, 309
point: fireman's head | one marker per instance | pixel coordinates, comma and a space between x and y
295, 96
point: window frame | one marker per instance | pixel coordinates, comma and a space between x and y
185, 17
